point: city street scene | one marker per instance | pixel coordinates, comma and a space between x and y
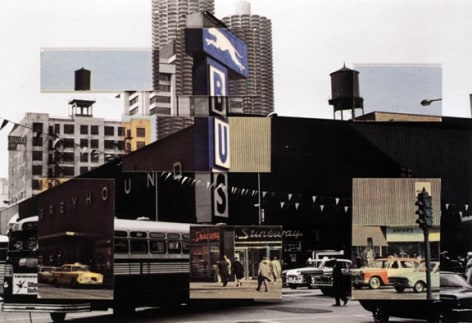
236, 161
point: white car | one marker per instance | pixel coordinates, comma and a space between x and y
305, 277
416, 279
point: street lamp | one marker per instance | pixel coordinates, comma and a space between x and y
427, 102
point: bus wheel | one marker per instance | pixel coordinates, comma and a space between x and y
122, 309
58, 317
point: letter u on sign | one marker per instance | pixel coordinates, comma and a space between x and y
222, 153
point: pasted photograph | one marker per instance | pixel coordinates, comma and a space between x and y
396, 239
75, 250
319, 150
235, 262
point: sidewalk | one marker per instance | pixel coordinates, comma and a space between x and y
211, 290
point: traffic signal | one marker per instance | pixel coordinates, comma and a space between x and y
425, 211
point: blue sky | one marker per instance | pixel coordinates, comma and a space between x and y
112, 70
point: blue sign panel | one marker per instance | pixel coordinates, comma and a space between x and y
218, 80
225, 47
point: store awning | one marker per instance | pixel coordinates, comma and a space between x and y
361, 233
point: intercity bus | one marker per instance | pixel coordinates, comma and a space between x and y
150, 268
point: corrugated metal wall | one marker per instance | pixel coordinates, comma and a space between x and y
391, 201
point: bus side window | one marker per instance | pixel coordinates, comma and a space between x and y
138, 246
121, 245
173, 244
157, 246
185, 243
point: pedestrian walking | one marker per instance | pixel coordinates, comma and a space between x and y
338, 285
238, 271
224, 270
276, 268
263, 273
468, 267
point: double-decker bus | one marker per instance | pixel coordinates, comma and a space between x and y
150, 268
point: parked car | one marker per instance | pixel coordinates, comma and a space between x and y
454, 304
324, 277
416, 279
305, 277
76, 274
377, 275
45, 274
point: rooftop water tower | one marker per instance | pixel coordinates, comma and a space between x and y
81, 107
345, 92
82, 80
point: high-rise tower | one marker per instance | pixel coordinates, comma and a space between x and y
168, 27
258, 89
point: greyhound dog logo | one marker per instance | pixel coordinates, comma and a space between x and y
222, 43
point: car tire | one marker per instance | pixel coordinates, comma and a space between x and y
419, 287
400, 289
375, 282
310, 282
380, 315
58, 317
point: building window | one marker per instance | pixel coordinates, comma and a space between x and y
121, 131
94, 157
109, 131
37, 140
160, 99
94, 130
37, 127
68, 129
164, 88
83, 143
68, 143
57, 128
83, 170
140, 144
68, 157
36, 184
84, 157
109, 144
94, 143
160, 110
37, 170
140, 132
69, 171
164, 77
133, 101
37, 155
84, 129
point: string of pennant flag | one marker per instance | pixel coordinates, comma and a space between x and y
283, 199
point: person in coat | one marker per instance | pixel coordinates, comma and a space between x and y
238, 271
338, 285
263, 273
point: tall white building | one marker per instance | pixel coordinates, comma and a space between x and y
257, 90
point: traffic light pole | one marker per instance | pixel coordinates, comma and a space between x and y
428, 263
425, 221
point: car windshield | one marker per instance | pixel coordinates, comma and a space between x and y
380, 264
453, 280
80, 268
